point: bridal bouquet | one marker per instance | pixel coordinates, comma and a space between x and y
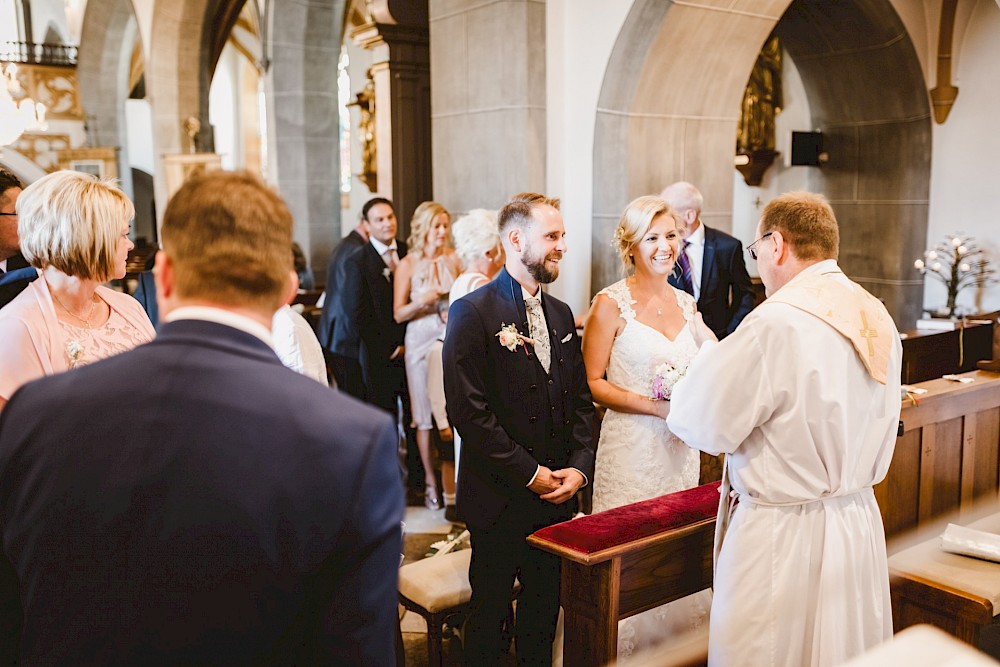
665, 376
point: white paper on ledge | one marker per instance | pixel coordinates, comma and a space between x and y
971, 542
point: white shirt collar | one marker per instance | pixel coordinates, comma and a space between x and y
825, 266
225, 317
527, 295
697, 237
381, 247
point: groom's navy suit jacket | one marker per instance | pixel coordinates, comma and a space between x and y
512, 416
193, 502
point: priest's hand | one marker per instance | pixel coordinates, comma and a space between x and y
570, 482
700, 331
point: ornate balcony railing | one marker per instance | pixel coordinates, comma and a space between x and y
60, 55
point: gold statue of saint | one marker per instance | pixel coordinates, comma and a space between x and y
762, 101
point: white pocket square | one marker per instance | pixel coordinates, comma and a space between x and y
566, 339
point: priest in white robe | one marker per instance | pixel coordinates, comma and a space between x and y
803, 398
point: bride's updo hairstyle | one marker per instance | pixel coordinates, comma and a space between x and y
634, 223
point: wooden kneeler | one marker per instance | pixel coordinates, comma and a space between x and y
618, 563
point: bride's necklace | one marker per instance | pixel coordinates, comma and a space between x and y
85, 320
659, 309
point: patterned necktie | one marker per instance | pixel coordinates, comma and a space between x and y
389, 257
687, 284
537, 330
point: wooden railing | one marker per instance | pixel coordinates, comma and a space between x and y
59, 55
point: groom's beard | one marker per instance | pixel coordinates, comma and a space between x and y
536, 265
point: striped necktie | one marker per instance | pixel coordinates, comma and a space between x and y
687, 284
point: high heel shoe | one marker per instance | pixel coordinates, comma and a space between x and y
431, 500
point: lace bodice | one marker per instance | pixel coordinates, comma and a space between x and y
84, 346
640, 349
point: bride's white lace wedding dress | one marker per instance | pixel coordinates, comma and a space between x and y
638, 458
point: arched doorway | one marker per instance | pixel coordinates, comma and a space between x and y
866, 92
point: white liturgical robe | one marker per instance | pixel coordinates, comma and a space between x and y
801, 578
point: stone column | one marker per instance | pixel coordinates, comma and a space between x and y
303, 155
488, 100
401, 72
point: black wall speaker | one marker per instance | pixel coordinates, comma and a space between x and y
806, 148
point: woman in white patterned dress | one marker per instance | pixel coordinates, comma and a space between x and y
637, 329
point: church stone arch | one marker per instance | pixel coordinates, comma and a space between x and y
670, 103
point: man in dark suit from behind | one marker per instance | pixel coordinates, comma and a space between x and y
719, 281
366, 304
342, 357
15, 272
193, 502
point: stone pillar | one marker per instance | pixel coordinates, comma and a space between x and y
488, 100
401, 72
304, 148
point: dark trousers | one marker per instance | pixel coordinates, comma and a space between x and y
347, 372
499, 554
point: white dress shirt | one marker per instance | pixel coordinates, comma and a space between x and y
696, 255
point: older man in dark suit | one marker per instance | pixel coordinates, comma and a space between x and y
709, 265
517, 393
193, 501
366, 305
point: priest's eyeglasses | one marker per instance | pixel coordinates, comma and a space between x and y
752, 248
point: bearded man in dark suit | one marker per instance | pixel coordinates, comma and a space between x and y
193, 501
709, 265
517, 393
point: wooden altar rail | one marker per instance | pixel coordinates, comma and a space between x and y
949, 453
640, 565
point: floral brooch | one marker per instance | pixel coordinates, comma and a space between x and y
510, 337
387, 274
74, 351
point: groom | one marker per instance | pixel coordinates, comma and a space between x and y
522, 406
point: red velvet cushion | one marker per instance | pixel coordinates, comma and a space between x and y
607, 529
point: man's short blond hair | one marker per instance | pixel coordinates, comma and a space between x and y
228, 236
806, 221
73, 222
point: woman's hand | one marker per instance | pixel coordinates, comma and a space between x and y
660, 408
700, 331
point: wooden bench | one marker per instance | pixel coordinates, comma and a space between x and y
624, 561
959, 594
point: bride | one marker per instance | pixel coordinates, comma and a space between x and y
637, 342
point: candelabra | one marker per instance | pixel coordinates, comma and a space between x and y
958, 263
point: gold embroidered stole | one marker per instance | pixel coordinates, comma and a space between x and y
851, 310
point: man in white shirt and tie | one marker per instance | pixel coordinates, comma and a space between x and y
710, 264
366, 299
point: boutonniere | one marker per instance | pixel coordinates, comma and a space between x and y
510, 337
74, 351
387, 273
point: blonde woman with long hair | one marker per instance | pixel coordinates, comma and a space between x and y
423, 278
637, 342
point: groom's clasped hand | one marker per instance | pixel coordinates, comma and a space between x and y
556, 486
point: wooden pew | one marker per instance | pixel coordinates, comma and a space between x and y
948, 456
626, 560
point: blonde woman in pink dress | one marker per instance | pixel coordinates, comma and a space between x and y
74, 229
422, 278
